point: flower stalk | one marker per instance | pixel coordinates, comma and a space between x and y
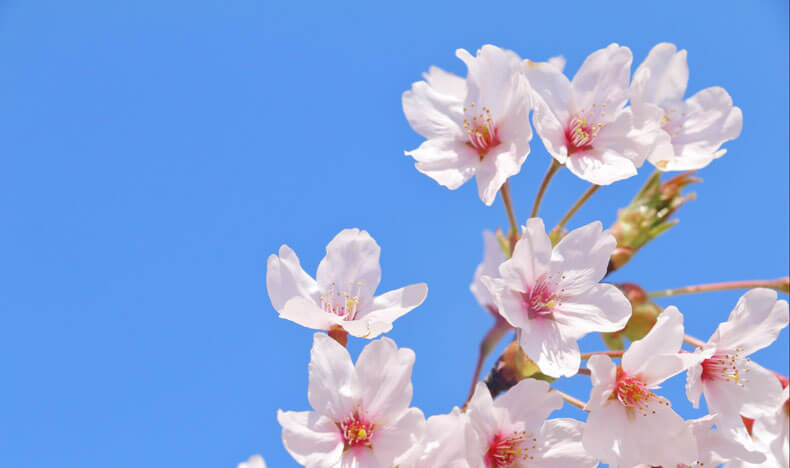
553, 168
779, 284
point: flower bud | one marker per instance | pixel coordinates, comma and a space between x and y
647, 216
644, 314
512, 367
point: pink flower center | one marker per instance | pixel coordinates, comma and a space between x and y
357, 431
344, 304
727, 367
481, 133
582, 129
540, 300
503, 452
633, 393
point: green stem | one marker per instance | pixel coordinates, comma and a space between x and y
780, 284
553, 168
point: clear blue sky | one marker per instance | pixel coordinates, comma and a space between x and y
154, 153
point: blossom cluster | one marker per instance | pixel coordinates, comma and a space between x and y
546, 285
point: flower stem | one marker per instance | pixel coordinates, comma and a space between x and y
490, 340
581, 201
553, 168
511, 216
688, 339
572, 400
616, 353
780, 284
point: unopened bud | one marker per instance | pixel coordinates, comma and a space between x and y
647, 216
512, 367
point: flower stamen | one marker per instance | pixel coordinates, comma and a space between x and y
503, 452
481, 132
344, 304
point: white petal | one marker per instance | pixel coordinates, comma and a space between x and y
530, 402
446, 83
312, 440
445, 444
432, 113
333, 389
555, 353
496, 167
377, 318
508, 302
666, 337
694, 385
559, 445
384, 374
667, 76
351, 261
286, 279
450, 162
483, 417
392, 441
710, 120
754, 323
531, 257
582, 257
306, 313
601, 308
603, 375
603, 78
494, 80
754, 396
493, 256
255, 461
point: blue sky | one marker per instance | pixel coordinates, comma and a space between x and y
155, 153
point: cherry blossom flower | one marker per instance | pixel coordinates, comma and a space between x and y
474, 127
628, 423
584, 123
512, 432
493, 256
444, 444
342, 293
772, 436
732, 384
255, 461
361, 414
692, 130
553, 297
715, 447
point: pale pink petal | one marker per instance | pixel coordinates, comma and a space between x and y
286, 279
445, 443
255, 461
530, 259
603, 375
551, 131
761, 392
602, 167
448, 161
483, 417
312, 440
494, 79
493, 256
582, 257
666, 337
433, 113
603, 78
386, 308
306, 313
351, 261
509, 303
333, 389
496, 167
559, 445
529, 402
555, 353
694, 384
392, 441
706, 121
666, 73
384, 374
446, 83
601, 308
754, 323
